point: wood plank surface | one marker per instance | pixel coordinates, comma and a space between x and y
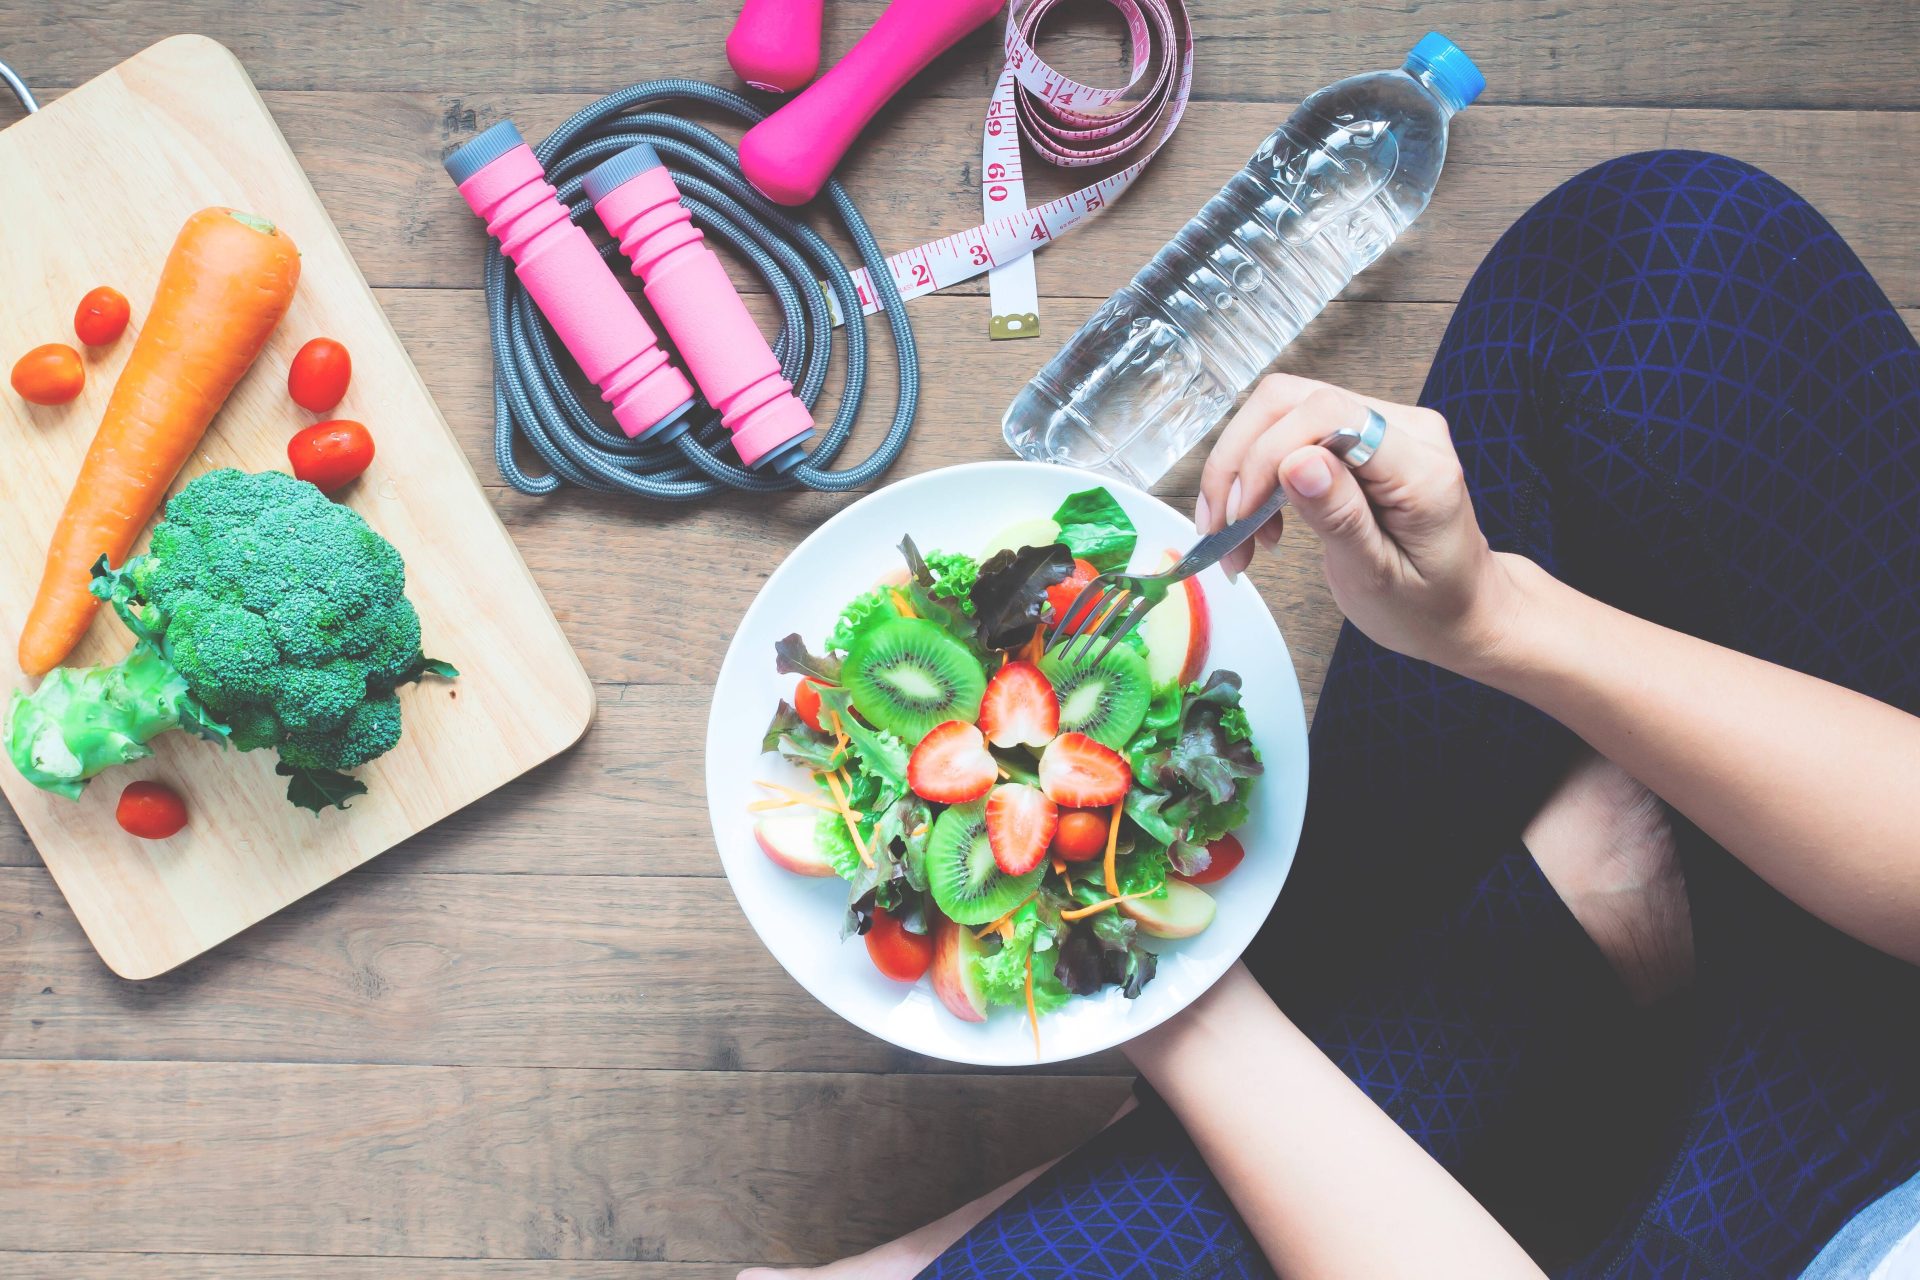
539, 1040
375, 162
530, 1163
245, 1266
553, 970
1748, 53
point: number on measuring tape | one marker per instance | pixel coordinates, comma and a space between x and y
1068, 125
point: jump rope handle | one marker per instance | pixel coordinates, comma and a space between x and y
775, 44
791, 153
571, 284
695, 299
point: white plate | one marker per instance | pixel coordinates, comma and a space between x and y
958, 509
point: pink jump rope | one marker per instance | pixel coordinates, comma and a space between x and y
674, 452
502, 182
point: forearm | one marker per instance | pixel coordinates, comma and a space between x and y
1327, 1183
1811, 785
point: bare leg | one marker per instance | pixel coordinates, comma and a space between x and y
904, 1258
1604, 843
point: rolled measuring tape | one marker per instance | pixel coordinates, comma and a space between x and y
1067, 124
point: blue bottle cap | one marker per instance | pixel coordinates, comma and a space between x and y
611, 174
1452, 70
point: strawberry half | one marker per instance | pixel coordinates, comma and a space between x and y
1080, 773
951, 765
1020, 823
1019, 706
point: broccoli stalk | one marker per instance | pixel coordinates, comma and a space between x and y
83, 720
265, 615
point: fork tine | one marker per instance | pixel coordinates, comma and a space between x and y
1090, 595
1113, 604
1134, 616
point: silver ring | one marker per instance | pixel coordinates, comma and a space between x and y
1357, 445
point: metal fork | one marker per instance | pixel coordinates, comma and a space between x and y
1134, 595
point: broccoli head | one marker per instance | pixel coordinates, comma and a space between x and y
267, 615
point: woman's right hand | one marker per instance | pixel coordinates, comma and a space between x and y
1405, 556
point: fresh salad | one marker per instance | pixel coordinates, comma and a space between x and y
1018, 822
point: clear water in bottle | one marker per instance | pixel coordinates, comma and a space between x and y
1163, 359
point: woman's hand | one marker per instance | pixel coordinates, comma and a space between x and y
1404, 554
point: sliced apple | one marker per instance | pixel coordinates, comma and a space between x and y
956, 971
1178, 631
1184, 912
791, 839
1037, 532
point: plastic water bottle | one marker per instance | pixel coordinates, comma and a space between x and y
1163, 359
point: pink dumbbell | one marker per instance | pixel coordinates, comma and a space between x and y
695, 299
775, 44
568, 280
790, 155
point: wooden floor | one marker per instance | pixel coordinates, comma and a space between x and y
540, 1041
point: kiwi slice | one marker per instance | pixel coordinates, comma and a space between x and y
961, 873
1106, 700
907, 675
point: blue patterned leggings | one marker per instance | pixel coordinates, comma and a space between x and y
1673, 385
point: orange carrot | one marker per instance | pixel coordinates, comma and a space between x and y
227, 281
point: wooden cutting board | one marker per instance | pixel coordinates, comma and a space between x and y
94, 189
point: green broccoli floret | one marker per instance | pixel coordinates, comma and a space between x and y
267, 615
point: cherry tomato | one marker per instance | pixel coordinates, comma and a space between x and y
900, 955
51, 374
318, 377
1223, 856
332, 454
1081, 835
1062, 594
806, 700
102, 316
151, 810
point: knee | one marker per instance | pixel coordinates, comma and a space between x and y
1652, 212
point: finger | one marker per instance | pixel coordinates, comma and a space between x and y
1273, 397
1323, 410
1328, 496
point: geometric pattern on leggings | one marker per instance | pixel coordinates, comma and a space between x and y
1672, 384
1135, 1203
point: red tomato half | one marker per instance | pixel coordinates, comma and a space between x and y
151, 810
102, 316
1081, 835
331, 455
1061, 595
1223, 856
318, 377
806, 700
900, 955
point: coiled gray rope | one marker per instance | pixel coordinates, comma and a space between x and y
531, 395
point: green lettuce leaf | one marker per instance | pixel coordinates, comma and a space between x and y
1003, 971
1096, 529
953, 577
865, 610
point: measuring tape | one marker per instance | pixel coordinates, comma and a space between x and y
1068, 124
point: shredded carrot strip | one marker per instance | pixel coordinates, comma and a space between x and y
1061, 869
900, 603
1036, 646
1003, 770
846, 812
1094, 909
1033, 1015
840, 734
792, 797
1113, 844
1001, 925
